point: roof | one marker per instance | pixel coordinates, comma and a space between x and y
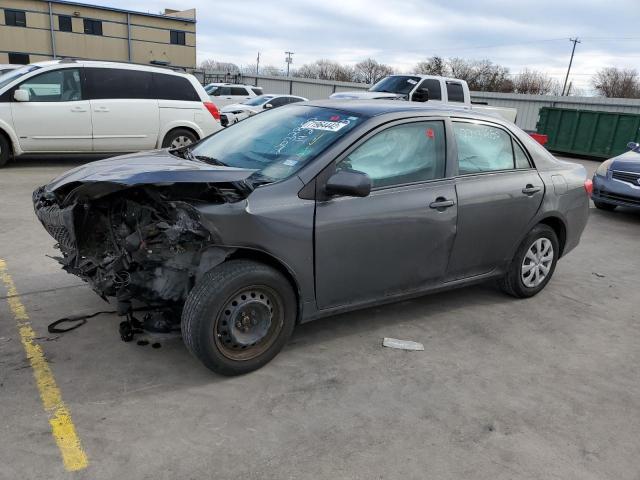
107, 64
133, 12
372, 108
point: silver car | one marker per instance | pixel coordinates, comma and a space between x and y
309, 210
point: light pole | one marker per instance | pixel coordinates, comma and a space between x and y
288, 60
573, 50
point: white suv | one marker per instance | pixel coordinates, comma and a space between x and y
68, 106
227, 93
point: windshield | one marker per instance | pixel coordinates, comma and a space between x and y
10, 76
396, 84
211, 88
258, 100
279, 142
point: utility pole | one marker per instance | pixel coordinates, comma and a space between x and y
573, 50
258, 64
288, 60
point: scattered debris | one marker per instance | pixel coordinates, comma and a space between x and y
142, 343
599, 275
156, 345
402, 344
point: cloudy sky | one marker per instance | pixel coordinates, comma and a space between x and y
514, 33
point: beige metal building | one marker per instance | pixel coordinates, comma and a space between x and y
36, 30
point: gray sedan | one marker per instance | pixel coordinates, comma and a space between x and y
310, 210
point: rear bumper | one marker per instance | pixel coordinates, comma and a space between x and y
615, 192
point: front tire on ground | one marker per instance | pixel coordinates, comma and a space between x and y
179, 138
604, 206
5, 151
533, 264
239, 316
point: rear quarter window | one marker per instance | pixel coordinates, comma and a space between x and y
173, 87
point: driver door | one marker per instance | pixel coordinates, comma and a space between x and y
57, 117
398, 238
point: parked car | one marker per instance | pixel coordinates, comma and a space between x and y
239, 111
616, 182
223, 94
7, 67
423, 88
67, 106
313, 209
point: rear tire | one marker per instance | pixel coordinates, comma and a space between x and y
604, 206
533, 264
5, 151
178, 138
239, 316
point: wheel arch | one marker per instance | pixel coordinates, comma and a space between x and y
191, 128
268, 259
559, 227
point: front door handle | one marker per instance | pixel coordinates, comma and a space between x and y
441, 203
78, 109
530, 189
101, 109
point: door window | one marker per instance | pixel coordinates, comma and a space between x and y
483, 148
408, 153
455, 92
110, 83
433, 85
223, 92
239, 91
56, 86
279, 101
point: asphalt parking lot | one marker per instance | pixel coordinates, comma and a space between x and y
528, 389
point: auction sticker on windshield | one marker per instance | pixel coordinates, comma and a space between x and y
324, 125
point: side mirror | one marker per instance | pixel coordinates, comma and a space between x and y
268, 106
21, 95
349, 183
633, 146
421, 95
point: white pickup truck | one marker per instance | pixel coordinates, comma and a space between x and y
422, 88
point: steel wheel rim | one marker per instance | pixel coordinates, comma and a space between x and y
249, 323
181, 141
537, 262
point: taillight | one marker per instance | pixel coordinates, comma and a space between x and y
213, 110
588, 186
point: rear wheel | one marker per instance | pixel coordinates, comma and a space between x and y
178, 138
533, 264
5, 151
604, 206
239, 316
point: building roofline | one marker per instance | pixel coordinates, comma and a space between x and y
121, 10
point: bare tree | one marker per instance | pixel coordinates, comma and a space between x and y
432, 66
617, 82
534, 82
370, 71
326, 70
211, 65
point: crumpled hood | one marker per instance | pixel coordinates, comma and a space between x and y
146, 168
364, 95
628, 162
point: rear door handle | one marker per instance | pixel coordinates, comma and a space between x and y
101, 109
78, 109
441, 203
530, 189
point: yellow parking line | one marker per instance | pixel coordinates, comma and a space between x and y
62, 428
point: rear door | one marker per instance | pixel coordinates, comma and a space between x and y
399, 238
124, 113
498, 191
57, 117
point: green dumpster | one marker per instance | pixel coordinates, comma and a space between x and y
588, 132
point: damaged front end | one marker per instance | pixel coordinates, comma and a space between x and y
139, 242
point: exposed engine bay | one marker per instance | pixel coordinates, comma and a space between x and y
141, 243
